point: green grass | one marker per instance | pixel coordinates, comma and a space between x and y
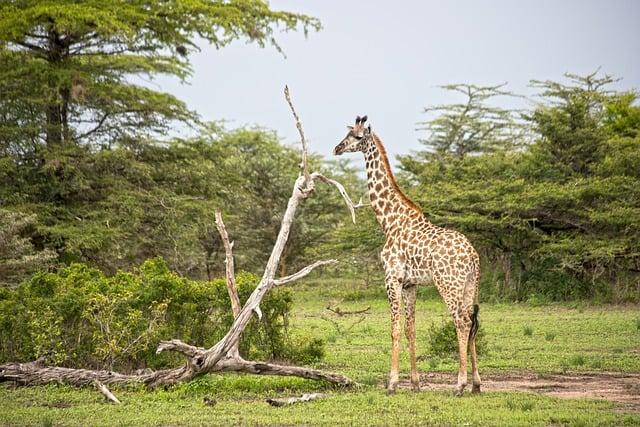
593, 338
61, 405
543, 339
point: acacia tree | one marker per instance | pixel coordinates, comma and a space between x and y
66, 67
471, 126
570, 120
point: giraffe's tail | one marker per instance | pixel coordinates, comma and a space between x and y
475, 324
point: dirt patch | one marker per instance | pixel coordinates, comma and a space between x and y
620, 388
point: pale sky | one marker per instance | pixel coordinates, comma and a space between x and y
386, 59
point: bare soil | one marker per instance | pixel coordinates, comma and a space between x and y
616, 387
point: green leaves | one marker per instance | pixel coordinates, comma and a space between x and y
559, 217
472, 126
82, 317
80, 58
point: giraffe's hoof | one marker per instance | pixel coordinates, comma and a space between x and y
475, 389
415, 386
391, 388
459, 391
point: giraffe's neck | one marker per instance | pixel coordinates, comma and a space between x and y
387, 200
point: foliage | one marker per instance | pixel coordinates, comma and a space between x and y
115, 208
357, 245
82, 62
560, 217
472, 126
443, 339
82, 145
80, 317
18, 257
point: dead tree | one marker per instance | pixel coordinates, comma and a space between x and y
223, 356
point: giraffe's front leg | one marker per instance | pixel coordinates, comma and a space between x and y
394, 287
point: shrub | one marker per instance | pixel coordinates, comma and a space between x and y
577, 360
80, 317
443, 339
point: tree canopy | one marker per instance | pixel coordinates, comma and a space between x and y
559, 217
81, 60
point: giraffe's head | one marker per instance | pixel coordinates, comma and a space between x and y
357, 138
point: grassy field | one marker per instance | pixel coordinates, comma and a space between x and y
519, 337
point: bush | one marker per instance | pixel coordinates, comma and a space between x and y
80, 317
527, 330
443, 339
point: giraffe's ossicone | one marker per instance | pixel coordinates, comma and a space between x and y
418, 252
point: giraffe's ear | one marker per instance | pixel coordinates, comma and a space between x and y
369, 128
350, 127
358, 119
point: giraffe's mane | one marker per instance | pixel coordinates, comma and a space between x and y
392, 178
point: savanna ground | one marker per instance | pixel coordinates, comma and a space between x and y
559, 364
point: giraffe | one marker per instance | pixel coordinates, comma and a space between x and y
418, 252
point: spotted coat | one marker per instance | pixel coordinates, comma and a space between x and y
417, 252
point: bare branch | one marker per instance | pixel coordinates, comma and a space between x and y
180, 347
104, 390
300, 274
96, 128
341, 313
342, 191
305, 147
360, 204
229, 268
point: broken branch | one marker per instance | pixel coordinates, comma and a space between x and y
300, 274
305, 149
229, 266
291, 400
342, 191
341, 313
105, 391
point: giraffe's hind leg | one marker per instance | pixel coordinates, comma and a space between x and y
462, 320
472, 349
453, 294
409, 298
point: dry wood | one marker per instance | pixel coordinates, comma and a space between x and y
221, 357
300, 274
230, 275
229, 266
305, 148
343, 193
341, 312
104, 390
291, 400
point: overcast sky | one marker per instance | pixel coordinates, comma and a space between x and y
386, 59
